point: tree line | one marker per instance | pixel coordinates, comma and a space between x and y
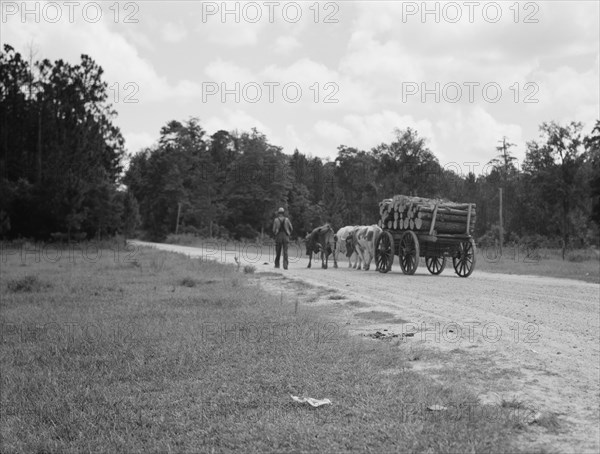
60, 153
62, 170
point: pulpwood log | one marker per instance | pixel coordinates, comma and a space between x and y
445, 210
415, 213
446, 227
445, 217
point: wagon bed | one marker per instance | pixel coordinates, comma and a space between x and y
436, 248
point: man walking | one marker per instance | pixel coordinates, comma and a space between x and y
282, 229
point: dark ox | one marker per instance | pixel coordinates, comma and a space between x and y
321, 239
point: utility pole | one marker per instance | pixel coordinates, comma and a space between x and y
501, 223
178, 213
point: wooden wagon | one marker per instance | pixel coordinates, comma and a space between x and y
434, 247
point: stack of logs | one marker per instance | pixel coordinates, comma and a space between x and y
415, 213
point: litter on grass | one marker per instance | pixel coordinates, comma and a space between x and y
311, 401
437, 408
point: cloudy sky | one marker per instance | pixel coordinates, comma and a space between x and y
314, 75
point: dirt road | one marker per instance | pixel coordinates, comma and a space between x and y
542, 334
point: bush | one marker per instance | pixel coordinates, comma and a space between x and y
218, 231
244, 231
537, 241
576, 257
190, 229
533, 241
488, 239
183, 239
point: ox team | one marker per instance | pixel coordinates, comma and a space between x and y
357, 242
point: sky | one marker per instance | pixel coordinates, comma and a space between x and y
316, 75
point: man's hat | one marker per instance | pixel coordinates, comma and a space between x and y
281, 210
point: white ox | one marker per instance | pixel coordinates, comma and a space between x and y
362, 240
340, 244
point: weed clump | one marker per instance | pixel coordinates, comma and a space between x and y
514, 403
576, 258
550, 422
188, 282
25, 284
249, 269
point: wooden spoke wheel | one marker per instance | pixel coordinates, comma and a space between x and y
464, 259
409, 252
384, 252
435, 265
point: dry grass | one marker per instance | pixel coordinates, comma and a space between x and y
162, 353
582, 265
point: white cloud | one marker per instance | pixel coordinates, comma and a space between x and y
293, 140
119, 58
136, 141
220, 70
330, 131
510, 40
139, 39
368, 57
366, 131
304, 71
286, 44
371, 130
323, 88
471, 135
228, 33
567, 95
172, 33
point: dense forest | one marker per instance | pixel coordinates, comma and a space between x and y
62, 173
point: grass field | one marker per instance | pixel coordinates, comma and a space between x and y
156, 352
583, 265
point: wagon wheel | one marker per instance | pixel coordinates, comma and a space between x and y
435, 265
464, 260
409, 252
384, 252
